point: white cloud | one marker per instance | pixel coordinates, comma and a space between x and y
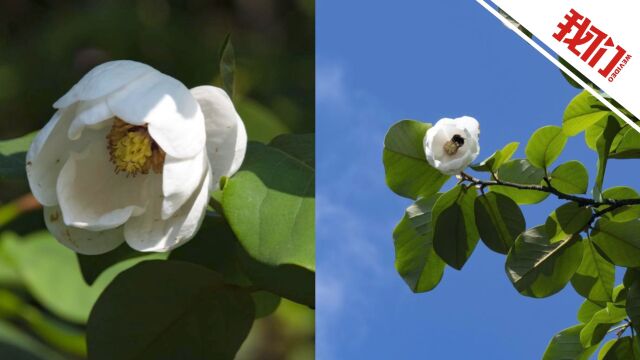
330, 84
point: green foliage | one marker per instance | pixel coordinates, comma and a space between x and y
499, 221
227, 65
603, 146
538, 267
455, 235
625, 348
407, 172
596, 329
12, 157
619, 242
121, 258
595, 276
270, 204
545, 145
623, 213
566, 345
416, 260
495, 161
582, 112
521, 171
570, 178
169, 309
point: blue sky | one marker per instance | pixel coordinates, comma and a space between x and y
379, 62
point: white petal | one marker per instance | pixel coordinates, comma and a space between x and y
92, 196
180, 178
92, 113
470, 124
102, 80
226, 134
81, 241
174, 117
149, 232
48, 153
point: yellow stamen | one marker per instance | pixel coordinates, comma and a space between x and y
133, 150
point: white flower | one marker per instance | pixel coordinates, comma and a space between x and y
452, 144
131, 155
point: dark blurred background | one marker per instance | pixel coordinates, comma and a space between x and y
46, 46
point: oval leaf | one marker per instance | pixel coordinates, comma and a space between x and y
572, 218
545, 145
624, 213
493, 162
595, 277
270, 205
618, 241
499, 221
624, 348
416, 260
538, 267
570, 178
566, 345
582, 112
406, 169
455, 235
170, 310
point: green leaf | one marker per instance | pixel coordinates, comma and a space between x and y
270, 205
265, 303
624, 213
627, 145
596, 329
570, 178
493, 162
227, 65
618, 241
16, 345
633, 304
545, 145
595, 277
572, 218
566, 345
538, 267
51, 273
262, 123
603, 146
520, 171
171, 310
121, 258
499, 221
587, 310
455, 235
406, 169
416, 260
624, 348
582, 112
13, 156
301, 147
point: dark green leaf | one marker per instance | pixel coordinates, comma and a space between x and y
618, 241
582, 112
455, 235
627, 145
633, 304
595, 277
545, 145
520, 171
170, 310
566, 346
538, 267
301, 147
493, 162
624, 348
270, 205
265, 303
596, 329
406, 169
572, 218
123, 257
416, 260
499, 221
228, 66
570, 178
603, 146
16, 345
13, 156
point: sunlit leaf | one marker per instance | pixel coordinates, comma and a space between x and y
596, 329
618, 241
603, 146
520, 171
566, 345
406, 169
582, 112
545, 145
595, 277
493, 162
570, 178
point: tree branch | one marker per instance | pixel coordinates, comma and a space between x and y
582, 201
